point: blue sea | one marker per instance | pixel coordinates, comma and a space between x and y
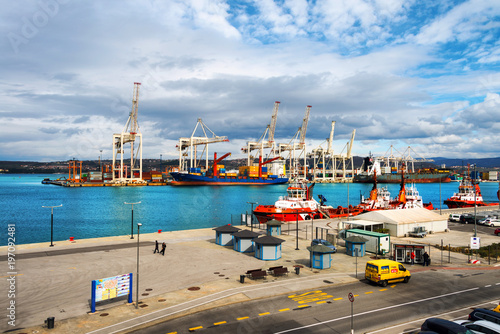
91, 212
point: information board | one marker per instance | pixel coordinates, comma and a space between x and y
111, 287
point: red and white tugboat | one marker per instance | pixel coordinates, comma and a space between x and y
297, 204
379, 198
408, 197
468, 195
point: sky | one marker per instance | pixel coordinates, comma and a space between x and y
419, 74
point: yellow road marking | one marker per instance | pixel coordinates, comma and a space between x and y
172, 333
340, 298
266, 313
72, 268
382, 290
356, 295
368, 292
220, 323
321, 302
392, 286
242, 318
303, 306
285, 309
195, 328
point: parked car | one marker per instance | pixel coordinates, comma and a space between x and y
454, 217
324, 243
497, 231
467, 219
480, 326
485, 221
494, 222
484, 314
444, 326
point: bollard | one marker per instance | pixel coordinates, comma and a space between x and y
50, 322
159, 231
242, 278
297, 270
71, 238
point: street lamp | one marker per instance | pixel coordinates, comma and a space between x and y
251, 217
474, 184
100, 161
160, 165
52, 222
297, 229
137, 278
132, 225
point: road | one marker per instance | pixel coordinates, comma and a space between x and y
395, 309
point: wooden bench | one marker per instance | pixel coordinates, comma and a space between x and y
258, 274
272, 268
249, 272
280, 271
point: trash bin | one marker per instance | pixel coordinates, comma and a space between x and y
50, 322
297, 270
242, 278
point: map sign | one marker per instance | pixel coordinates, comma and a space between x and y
111, 287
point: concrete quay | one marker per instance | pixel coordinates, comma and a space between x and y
194, 274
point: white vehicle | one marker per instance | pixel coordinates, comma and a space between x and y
494, 222
454, 217
480, 326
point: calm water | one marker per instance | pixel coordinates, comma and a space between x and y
100, 211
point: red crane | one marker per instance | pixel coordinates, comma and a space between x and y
216, 161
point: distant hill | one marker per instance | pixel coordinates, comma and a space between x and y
480, 163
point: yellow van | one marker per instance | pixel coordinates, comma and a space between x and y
386, 271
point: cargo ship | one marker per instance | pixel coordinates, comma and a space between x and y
216, 175
391, 175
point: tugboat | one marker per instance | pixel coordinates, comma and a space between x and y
468, 195
408, 197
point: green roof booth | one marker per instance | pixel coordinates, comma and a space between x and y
320, 256
268, 248
274, 227
355, 245
242, 241
224, 235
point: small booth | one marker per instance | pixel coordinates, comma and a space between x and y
223, 235
274, 227
402, 252
355, 245
320, 256
268, 248
243, 241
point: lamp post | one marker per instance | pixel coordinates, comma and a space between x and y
100, 161
52, 222
137, 278
161, 171
296, 229
251, 217
132, 224
474, 184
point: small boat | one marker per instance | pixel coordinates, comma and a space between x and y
468, 195
409, 197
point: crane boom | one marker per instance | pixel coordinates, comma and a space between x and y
350, 144
330, 141
274, 118
303, 129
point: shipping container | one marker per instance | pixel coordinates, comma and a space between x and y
377, 242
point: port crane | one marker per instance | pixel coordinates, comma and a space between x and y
131, 134
188, 146
265, 141
297, 144
322, 159
344, 161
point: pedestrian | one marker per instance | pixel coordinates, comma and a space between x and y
426, 259
163, 246
412, 256
156, 247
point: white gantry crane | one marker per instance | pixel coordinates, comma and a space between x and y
322, 169
264, 142
188, 146
344, 163
297, 150
131, 133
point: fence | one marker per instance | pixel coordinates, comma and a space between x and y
489, 253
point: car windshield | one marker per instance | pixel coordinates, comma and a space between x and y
326, 243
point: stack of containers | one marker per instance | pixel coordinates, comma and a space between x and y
251, 171
195, 171
221, 170
95, 177
107, 177
156, 177
264, 171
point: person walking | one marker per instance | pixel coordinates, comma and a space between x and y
426, 259
156, 247
412, 256
163, 246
